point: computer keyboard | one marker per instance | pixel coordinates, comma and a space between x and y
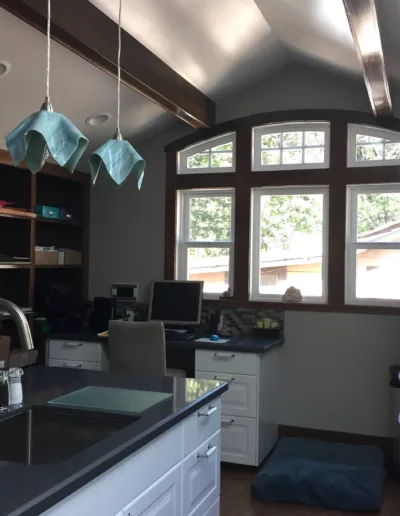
177, 335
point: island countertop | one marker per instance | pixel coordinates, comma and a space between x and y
31, 490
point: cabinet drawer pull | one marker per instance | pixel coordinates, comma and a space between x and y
226, 422
229, 380
211, 410
72, 366
224, 355
73, 344
210, 451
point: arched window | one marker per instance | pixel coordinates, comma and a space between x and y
291, 145
214, 155
372, 146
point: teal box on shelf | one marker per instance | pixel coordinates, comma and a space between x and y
49, 212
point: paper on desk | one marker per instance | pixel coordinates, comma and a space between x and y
219, 341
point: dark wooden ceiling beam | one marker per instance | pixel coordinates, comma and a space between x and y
87, 31
364, 27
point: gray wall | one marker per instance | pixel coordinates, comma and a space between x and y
332, 372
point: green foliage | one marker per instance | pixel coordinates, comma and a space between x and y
375, 210
283, 215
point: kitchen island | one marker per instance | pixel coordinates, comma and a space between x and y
158, 449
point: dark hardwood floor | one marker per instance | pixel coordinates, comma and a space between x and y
236, 499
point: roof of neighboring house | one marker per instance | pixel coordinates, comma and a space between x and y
388, 233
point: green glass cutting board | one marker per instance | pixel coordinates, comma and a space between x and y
111, 399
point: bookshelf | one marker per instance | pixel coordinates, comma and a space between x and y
23, 281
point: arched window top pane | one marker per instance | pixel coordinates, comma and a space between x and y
291, 145
370, 146
209, 156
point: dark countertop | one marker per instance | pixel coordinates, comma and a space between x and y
30, 490
239, 344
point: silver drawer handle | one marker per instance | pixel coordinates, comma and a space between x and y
229, 380
210, 451
228, 423
72, 366
73, 344
211, 410
225, 355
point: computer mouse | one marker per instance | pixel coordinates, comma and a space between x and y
214, 338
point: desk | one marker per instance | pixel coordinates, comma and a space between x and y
179, 354
247, 432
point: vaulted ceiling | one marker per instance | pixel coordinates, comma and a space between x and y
218, 46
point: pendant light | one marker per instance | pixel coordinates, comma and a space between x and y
46, 132
117, 155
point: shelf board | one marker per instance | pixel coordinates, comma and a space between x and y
60, 222
58, 266
11, 216
15, 265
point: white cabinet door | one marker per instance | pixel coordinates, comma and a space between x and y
238, 440
163, 498
201, 477
241, 397
213, 510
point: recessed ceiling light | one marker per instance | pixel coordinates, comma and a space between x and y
5, 67
98, 119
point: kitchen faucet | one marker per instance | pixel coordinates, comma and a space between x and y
21, 321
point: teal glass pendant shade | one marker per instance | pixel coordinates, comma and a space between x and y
46, 132
119, 159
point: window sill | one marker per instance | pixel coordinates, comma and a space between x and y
233, 303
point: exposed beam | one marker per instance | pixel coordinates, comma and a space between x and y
364, 27
87, 31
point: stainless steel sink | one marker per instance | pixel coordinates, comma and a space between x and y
48, 435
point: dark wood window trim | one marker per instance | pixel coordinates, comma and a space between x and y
337, 177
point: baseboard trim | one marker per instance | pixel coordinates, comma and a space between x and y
384, 443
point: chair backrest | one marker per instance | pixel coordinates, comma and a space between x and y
137, 347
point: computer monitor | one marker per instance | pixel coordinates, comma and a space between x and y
176, 303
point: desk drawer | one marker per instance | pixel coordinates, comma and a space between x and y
238, 440
226, 362
198, 427
74, 364
201, 477
241, 397
74, 350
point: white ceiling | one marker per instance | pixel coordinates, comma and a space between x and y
220, 46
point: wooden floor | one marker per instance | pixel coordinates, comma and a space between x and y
236, 500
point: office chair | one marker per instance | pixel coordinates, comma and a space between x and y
139, 347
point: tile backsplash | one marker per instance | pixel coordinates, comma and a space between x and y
236, 321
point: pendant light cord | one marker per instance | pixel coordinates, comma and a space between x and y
48, 50
119, 66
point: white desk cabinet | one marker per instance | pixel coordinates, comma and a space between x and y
166, 477
247, 432
76, 354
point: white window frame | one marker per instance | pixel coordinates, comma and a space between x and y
255, 294
367, 130
258, 132
201, 147
352, 245
183, 243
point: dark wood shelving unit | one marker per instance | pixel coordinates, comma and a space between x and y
27, 283
15, 265
58, 266
60, 222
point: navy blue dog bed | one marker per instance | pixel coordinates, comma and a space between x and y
337, 476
